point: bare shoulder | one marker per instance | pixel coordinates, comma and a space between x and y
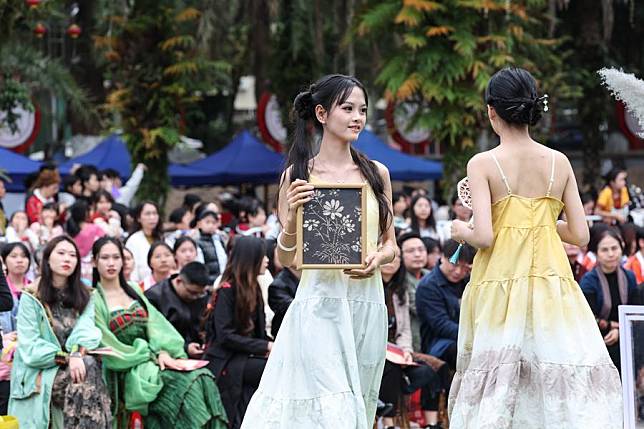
479, 162
285, 178
562, 163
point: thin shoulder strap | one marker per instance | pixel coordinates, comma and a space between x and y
552, 174
505, 179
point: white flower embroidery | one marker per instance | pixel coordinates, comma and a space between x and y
332, 209
310, 224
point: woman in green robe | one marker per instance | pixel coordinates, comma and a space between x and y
140, 375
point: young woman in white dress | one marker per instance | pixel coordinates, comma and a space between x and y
325, 367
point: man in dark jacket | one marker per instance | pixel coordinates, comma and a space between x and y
280, 295
182, 299
210, 243
438, 302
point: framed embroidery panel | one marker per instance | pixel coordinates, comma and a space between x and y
631, 343
332, 228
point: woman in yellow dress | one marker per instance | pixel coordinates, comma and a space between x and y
530, 354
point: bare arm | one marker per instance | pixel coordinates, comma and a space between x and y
291, 196
481, 235
575, 229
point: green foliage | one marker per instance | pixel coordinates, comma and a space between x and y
446, 53
157, 73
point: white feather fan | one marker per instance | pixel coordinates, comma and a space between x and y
627, 88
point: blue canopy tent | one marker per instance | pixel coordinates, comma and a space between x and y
244, 160
401, 166
110, 153
17, 167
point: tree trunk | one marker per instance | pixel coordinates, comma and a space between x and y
261, 44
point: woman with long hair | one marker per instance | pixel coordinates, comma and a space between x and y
148, 228
84, 233
613, 200
236, 328
325, 368
422, 220
529, 353
44, 190
140, 373
54, 382
185, 250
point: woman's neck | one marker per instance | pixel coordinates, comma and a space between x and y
17, 280
59, 282
386, 278
423, 223
160, 275
110, 284
607, 270
147, 232
515, 135
334, 151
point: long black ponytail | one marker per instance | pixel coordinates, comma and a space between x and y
329, 91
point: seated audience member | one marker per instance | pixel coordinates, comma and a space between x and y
414, 259
422, 221
613, 200
148, 228
210, 242
400, 206
190, 202
438, 302
575, 258
161, 263
182, 299
45, 190
55, 383
252, 218
3, 216
104, 216
47, 226
16, 260
398, 379
236, 334
636, 262
19, 231
89, 177
607, 286
185, 250
281, 293
143, 374
434, 252
72, 189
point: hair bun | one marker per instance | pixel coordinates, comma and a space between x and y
303, 105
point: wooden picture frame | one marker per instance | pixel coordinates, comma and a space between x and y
631, 344
332, 227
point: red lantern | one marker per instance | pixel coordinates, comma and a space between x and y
40, 30
74, 31
32, 3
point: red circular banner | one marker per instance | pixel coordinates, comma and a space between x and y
25, 136
415, 141
269, 120
630, 127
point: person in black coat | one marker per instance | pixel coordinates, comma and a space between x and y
280, 295
182, 299
237, 344
210, 242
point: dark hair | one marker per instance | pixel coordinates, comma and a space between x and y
78, 213
177, 214
250, 206
190, 201
195, 273
415, 224
96, 277
241, 272
8, 248
587, 197
596, 238
101, 193
183, 239
613, 173
407, 236
157, 233
431, 244
271, 244
77, 295
69, 181
111, 173
595, 231
154, 247
512, 92
467, 252
328, 91
85, 172
398, 283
